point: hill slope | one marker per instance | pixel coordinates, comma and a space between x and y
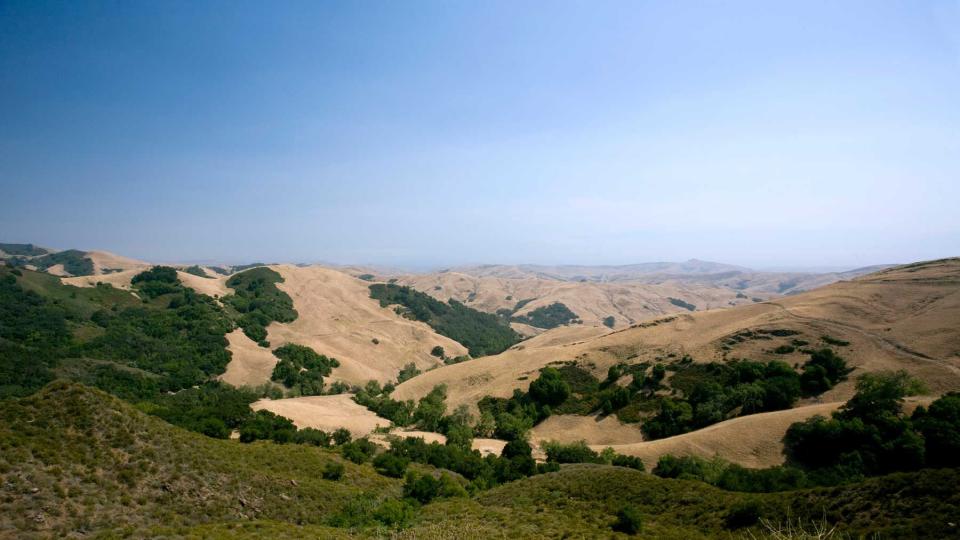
339, 319
903, 318
76, 460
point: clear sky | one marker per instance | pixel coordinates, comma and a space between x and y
769, 134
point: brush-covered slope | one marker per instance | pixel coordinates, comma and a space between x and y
74, 460
77, 462
581, 501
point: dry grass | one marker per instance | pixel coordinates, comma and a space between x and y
250, 364
325, 412
338, 318
905, 322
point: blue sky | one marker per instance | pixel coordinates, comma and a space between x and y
804, 134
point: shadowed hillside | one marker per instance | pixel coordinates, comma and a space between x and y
75, 459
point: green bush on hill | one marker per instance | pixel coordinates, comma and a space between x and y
547, 317
196, 271
702, 393
302, 369
682, 304
869, 435
378, 400
481, 333
75, 262
259, 302
28, 250
156, 281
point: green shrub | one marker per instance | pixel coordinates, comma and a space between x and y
394, 513
609, 321
311, 436
547, 317
940, 427
408, 372
359, 451
259, 302
196, 271
549, 388
333, 470
629, 521
631, 462
577, 452
431, 408
682, 304
341, 436
834, 341
481, 333
267, 425
867, 435
302, 368
157, 281
392, 465
743, 514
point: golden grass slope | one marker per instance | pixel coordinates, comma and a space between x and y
210, 286
751, 441
338, 318
327, 413
897, 319
250, 364
104, 261
591, 301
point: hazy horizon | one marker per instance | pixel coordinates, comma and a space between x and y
433, 134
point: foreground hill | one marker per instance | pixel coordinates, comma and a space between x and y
77, 462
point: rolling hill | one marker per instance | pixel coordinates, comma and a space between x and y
618, 296
337, 317
899, 318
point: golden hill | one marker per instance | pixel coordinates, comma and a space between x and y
337, 318
627, 303
901, 318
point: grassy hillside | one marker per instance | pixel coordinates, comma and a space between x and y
582, 501
76, 460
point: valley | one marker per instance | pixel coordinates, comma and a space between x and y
377, 368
